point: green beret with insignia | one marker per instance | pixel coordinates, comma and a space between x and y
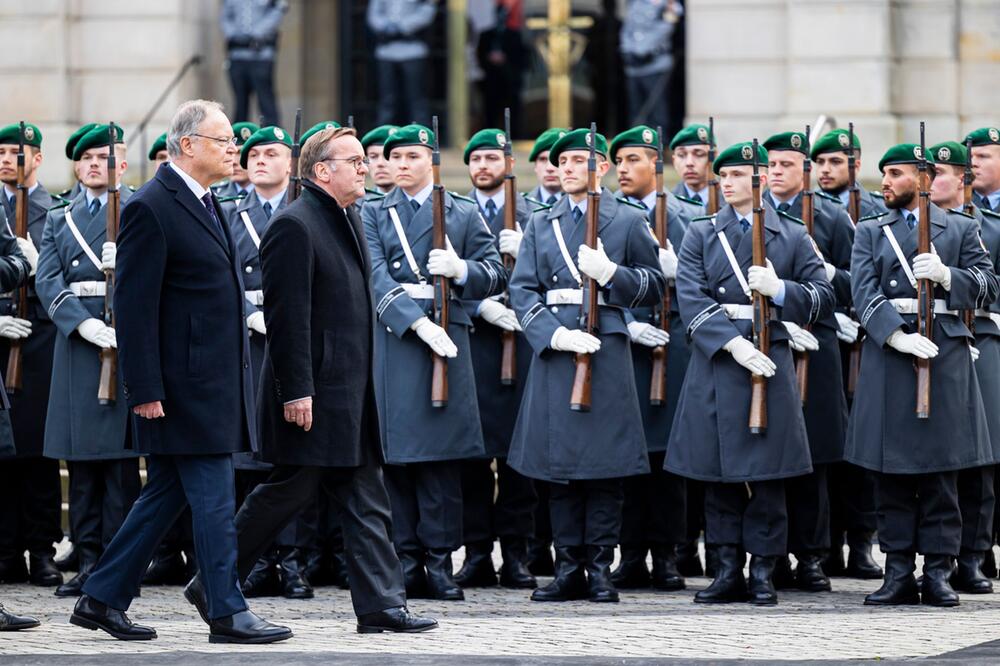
158, 145
318, 127
984, 136
11, 134
948, 152
578, 139
76, 136
787, 141
377, 136
642, 136
243, 131
485, 139
545, 141
408, 135
692, 135
834, 141
262, 137
740, 154
97, 137
903, 153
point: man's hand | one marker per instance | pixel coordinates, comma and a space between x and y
29, 252
802, 340
831, 271
14, 328
499, 315
668, 261
96, 332
510, 241
575, 340
764, 280
928, 266
300, 412
912, 343
595, 263
435, 337
749, 357
847, 328
108, 253
647, 334
255, 322
447, 263
149, 410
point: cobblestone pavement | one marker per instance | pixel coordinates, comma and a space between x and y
495, 623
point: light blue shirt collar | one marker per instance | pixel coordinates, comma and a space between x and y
993, 198
275, 201
702, 193
498, 199
90, 198
421, 196
778, 201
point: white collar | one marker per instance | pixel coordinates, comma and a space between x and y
192, 184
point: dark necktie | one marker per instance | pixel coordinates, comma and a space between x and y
697, 197
551, 201
491, 210
985, 205
95, 205
744, 225
12, 203
267, 209
911, 220
210, 207
415, 204
784, 206
577, 214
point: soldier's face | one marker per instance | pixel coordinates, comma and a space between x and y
380, 168
737, 185
486, 169
636, 169
269, 165
899, 185
691, 162
832, 172
411, 166
986, 169
573, 170
947, 190
8, 162
94, 168
784, 172
547, 172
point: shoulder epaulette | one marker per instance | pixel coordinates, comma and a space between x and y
61, 204
689, 200
373, 195
790, 218
62, 195
874, 216
702, 217
538, 205
629, 203
989, 213
828, 197
961, 212
235, 197
456, 195
876, 194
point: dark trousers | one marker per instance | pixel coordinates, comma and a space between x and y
101, 493
918, 513
587, 512
976, 500
808, 500
30, 513
360, 495
254, 77
695, 509
639, 89
500, 505
402, 92
543, 517
751, 515
655, 508
246, 481
426, 501
852, 503
205, 483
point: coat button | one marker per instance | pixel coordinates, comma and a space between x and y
892, 283
388, 330
722, 290
554, 309
75, 262
555, 278
249, 269
245, 365
395, 264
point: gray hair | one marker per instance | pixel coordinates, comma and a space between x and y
186, 121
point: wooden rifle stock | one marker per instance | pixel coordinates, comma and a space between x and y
658, 380
761, 310
925, 288
579, 400
442, 287
296, 179
713, 183
854, 211
107, 387
968, 207
508, 342
802, 358
14, 379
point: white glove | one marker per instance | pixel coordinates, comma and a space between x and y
928, 266
14, 328
108, 253
668, 261
847, 328
434, 337
764, 280
510, 241
749, 357
498, 314
912, 343
97, 333
255, 322
595, 263
29, 252
831, 271
974, 353
576, 341
995, 318
802, 340
447, 263
647, 334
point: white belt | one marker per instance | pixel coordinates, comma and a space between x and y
255, 297
568, 297
909, 306
89, 288
425, 291
983, 313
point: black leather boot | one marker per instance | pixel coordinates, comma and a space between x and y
414, 575
968, 575
599, 585
540, 558
834, 564
729, 585
87, 559
762, 592
899, 586
477, 569
440, 583
294, 584
13, 570
783, 577
688, 561
514, 572
263, 579
632, 573
42, 570
711, 560
935, 590
167, 568
990, 564
69, 561
809, 575
860, 563
665, 573
570, 583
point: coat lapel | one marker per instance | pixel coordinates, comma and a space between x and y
185, 197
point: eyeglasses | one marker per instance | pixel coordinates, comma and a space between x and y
221, 141
355, 162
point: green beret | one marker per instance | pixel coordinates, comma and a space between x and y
641, 136
787, 141
544, 141
948, 152
75, 136
903, 153
11, 134
158, 145
740, 154
984, 136
408, 135
578, 139
243, 131
692, 135
261, 137
834, 141
318, 127
377, 136
485, 139
95, 138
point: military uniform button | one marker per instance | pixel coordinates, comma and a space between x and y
249, 269
76, 262
892, 283
555, 278
387, 329
554, 309
722, 290
245, 364
395, 264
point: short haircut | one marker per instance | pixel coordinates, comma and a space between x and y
186, 121
317, 148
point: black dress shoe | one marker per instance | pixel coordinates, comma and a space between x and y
729, 585
935, 590
414, 574
688, 561
13, 571
69, 561
514, 573
194, 592
761, 585
665, 573
860, 563
600, 589
631, 573
42, 571
263, 580
398, 620
900, 586
968, 576
477, 569
809, 576
92, 614
441, 584
294, 584
246, 628
11, 622
167, 568
540, 561
569, 583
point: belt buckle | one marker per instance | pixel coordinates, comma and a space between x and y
88, 289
